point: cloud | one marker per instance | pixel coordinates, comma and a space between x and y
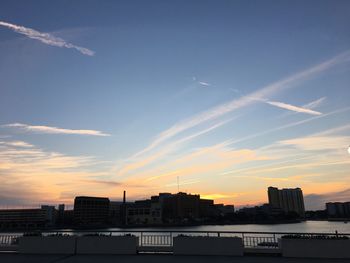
325, 140
204, 83
318, 201
266, 91
311, 105
292, 107
219, 196
53, 130
200, 162
17, 144
334, 130
107, 183
289, 125
32, 174
317, 143
314, 104
46, 38
137, 162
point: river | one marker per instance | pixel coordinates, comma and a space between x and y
303, 227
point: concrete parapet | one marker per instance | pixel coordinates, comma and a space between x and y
196, 245
107, 245
315, 248
47, 244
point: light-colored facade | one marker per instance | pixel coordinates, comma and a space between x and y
289, 200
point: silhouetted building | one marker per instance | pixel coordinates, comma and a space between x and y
207, 209
68, 216
115, 212
338, 209
224, 210
145, 212
22, 218
289, 200
90, 211
60, 214
181, 207
50, 214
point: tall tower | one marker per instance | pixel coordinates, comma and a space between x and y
274, 198
289, 200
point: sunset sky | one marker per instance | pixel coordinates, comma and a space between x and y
227, 97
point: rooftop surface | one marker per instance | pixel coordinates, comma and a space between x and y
18, 258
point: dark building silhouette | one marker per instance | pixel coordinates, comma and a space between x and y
91, 210
207, 208
289, 200
115, 212
224, 210
50, 214
338, 209
180, 207
60, 214
144, 212
23, 218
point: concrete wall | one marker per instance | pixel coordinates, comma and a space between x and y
107, 245
229, 246
315, 248
47, 245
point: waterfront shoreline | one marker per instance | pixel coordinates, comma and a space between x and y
314, 226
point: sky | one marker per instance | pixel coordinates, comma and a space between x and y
218, 98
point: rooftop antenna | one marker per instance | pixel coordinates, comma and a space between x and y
178, 186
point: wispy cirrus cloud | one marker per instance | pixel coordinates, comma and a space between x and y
40, 175
289, 125
52, 130
46, 38
203, 83
292, 107
262, 93
137, 163
311, 106
16, 144
314, 104
289, 107
319, 143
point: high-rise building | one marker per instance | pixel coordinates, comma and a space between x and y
289, 200
338, 209
91, 210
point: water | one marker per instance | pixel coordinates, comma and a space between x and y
303, 227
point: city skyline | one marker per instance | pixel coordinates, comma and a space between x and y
219, 98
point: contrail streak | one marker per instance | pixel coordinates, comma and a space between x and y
46, 38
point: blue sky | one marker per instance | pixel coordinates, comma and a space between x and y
229, 96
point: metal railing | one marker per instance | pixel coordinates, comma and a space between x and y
7, 240
158, 238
